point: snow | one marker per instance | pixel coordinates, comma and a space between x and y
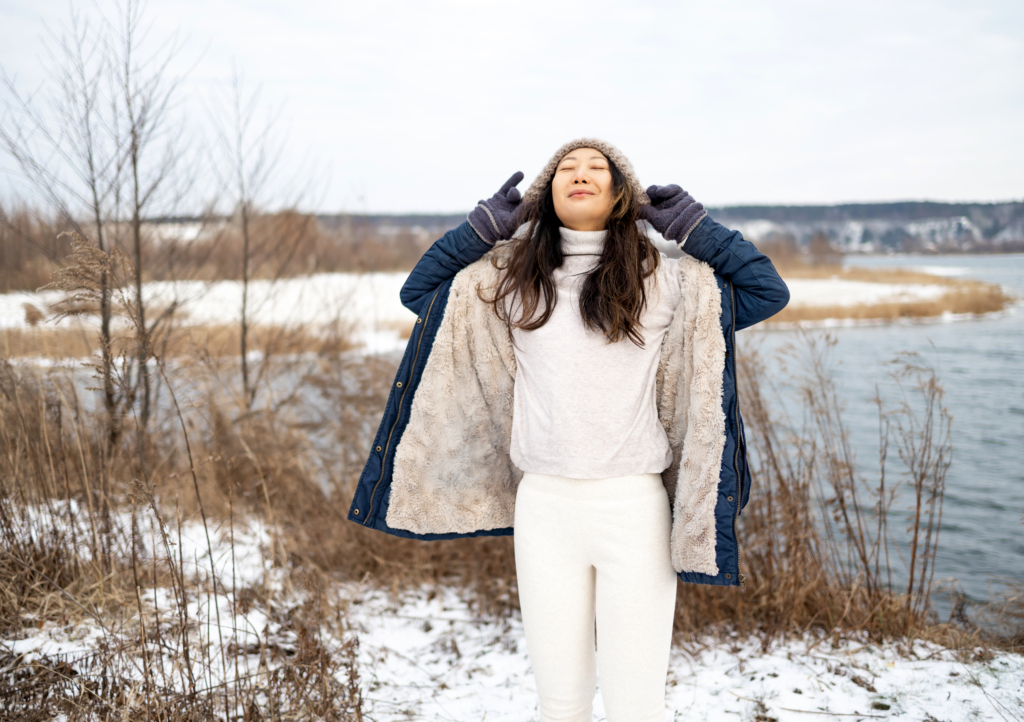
424, 654
368, 301
430, 659
944, 271
12, 306
840, 292
320, 299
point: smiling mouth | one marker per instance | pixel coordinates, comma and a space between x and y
580, 193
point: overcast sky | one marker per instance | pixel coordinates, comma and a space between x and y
430, 106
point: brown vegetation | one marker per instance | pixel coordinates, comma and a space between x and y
290, 244
71, 341
293, 244
30, 250
860, 273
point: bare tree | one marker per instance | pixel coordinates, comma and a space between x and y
104, 149
67, 155
251, 148
151, 140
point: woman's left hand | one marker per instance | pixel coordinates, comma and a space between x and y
673, 212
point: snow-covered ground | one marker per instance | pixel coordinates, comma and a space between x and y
368, 302
371, 298
426, 656
431, 660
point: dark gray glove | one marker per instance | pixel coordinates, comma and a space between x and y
498, 217
673, 212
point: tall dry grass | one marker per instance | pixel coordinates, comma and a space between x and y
963, 297
288, 244
31, 248
74, 341
87, 530
814, 535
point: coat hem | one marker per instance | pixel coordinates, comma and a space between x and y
718, 581
381, 525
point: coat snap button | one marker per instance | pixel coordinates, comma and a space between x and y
728, 498
399, 384
378, 448
356, 512
419, 320
728, 575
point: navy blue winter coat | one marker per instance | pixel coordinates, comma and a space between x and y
751, 291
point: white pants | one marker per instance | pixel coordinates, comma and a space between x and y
589, 548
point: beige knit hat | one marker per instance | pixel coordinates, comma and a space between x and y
610, 152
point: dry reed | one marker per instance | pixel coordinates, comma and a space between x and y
964, 297
78, 341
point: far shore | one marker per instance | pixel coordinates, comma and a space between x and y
826, 293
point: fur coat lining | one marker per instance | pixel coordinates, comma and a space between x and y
452, 470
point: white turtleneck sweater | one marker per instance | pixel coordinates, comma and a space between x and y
583, 407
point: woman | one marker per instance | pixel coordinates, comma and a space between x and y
575, 385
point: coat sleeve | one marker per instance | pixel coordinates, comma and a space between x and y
455, 250
760, 291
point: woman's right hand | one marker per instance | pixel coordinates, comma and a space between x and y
498, 217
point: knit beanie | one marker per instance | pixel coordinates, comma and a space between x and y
610, 152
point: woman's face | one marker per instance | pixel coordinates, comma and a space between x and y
582, 190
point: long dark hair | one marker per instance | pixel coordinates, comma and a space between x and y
613, 296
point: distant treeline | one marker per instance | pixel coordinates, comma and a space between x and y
989, 218
907, 226
1004, 213
210, 247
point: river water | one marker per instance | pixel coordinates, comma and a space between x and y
980, 363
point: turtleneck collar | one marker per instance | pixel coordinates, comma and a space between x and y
582, 243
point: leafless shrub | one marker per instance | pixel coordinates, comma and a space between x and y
816, 541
